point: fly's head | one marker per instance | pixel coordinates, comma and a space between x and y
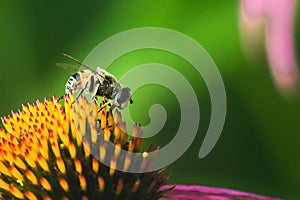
122, 98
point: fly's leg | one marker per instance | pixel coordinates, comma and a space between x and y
80, 92
94, 98
106, 103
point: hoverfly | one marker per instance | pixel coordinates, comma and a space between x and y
98, 83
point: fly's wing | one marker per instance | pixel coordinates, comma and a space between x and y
72, 69
83, 65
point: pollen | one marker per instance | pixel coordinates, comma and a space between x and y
145, 154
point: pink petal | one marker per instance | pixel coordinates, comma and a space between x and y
254, 8
278, 17
195, 192
280, 41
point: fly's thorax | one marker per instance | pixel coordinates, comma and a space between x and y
108, 86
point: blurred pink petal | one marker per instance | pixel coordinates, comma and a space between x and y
277, 17
195, 192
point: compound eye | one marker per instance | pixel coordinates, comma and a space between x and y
123, 95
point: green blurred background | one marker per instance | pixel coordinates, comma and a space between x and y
259, 148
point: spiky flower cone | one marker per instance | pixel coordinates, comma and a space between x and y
45, 153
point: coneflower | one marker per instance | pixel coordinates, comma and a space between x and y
45, 153
50, 151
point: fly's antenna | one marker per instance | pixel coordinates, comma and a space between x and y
80, 63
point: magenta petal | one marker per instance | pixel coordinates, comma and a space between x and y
195, 192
